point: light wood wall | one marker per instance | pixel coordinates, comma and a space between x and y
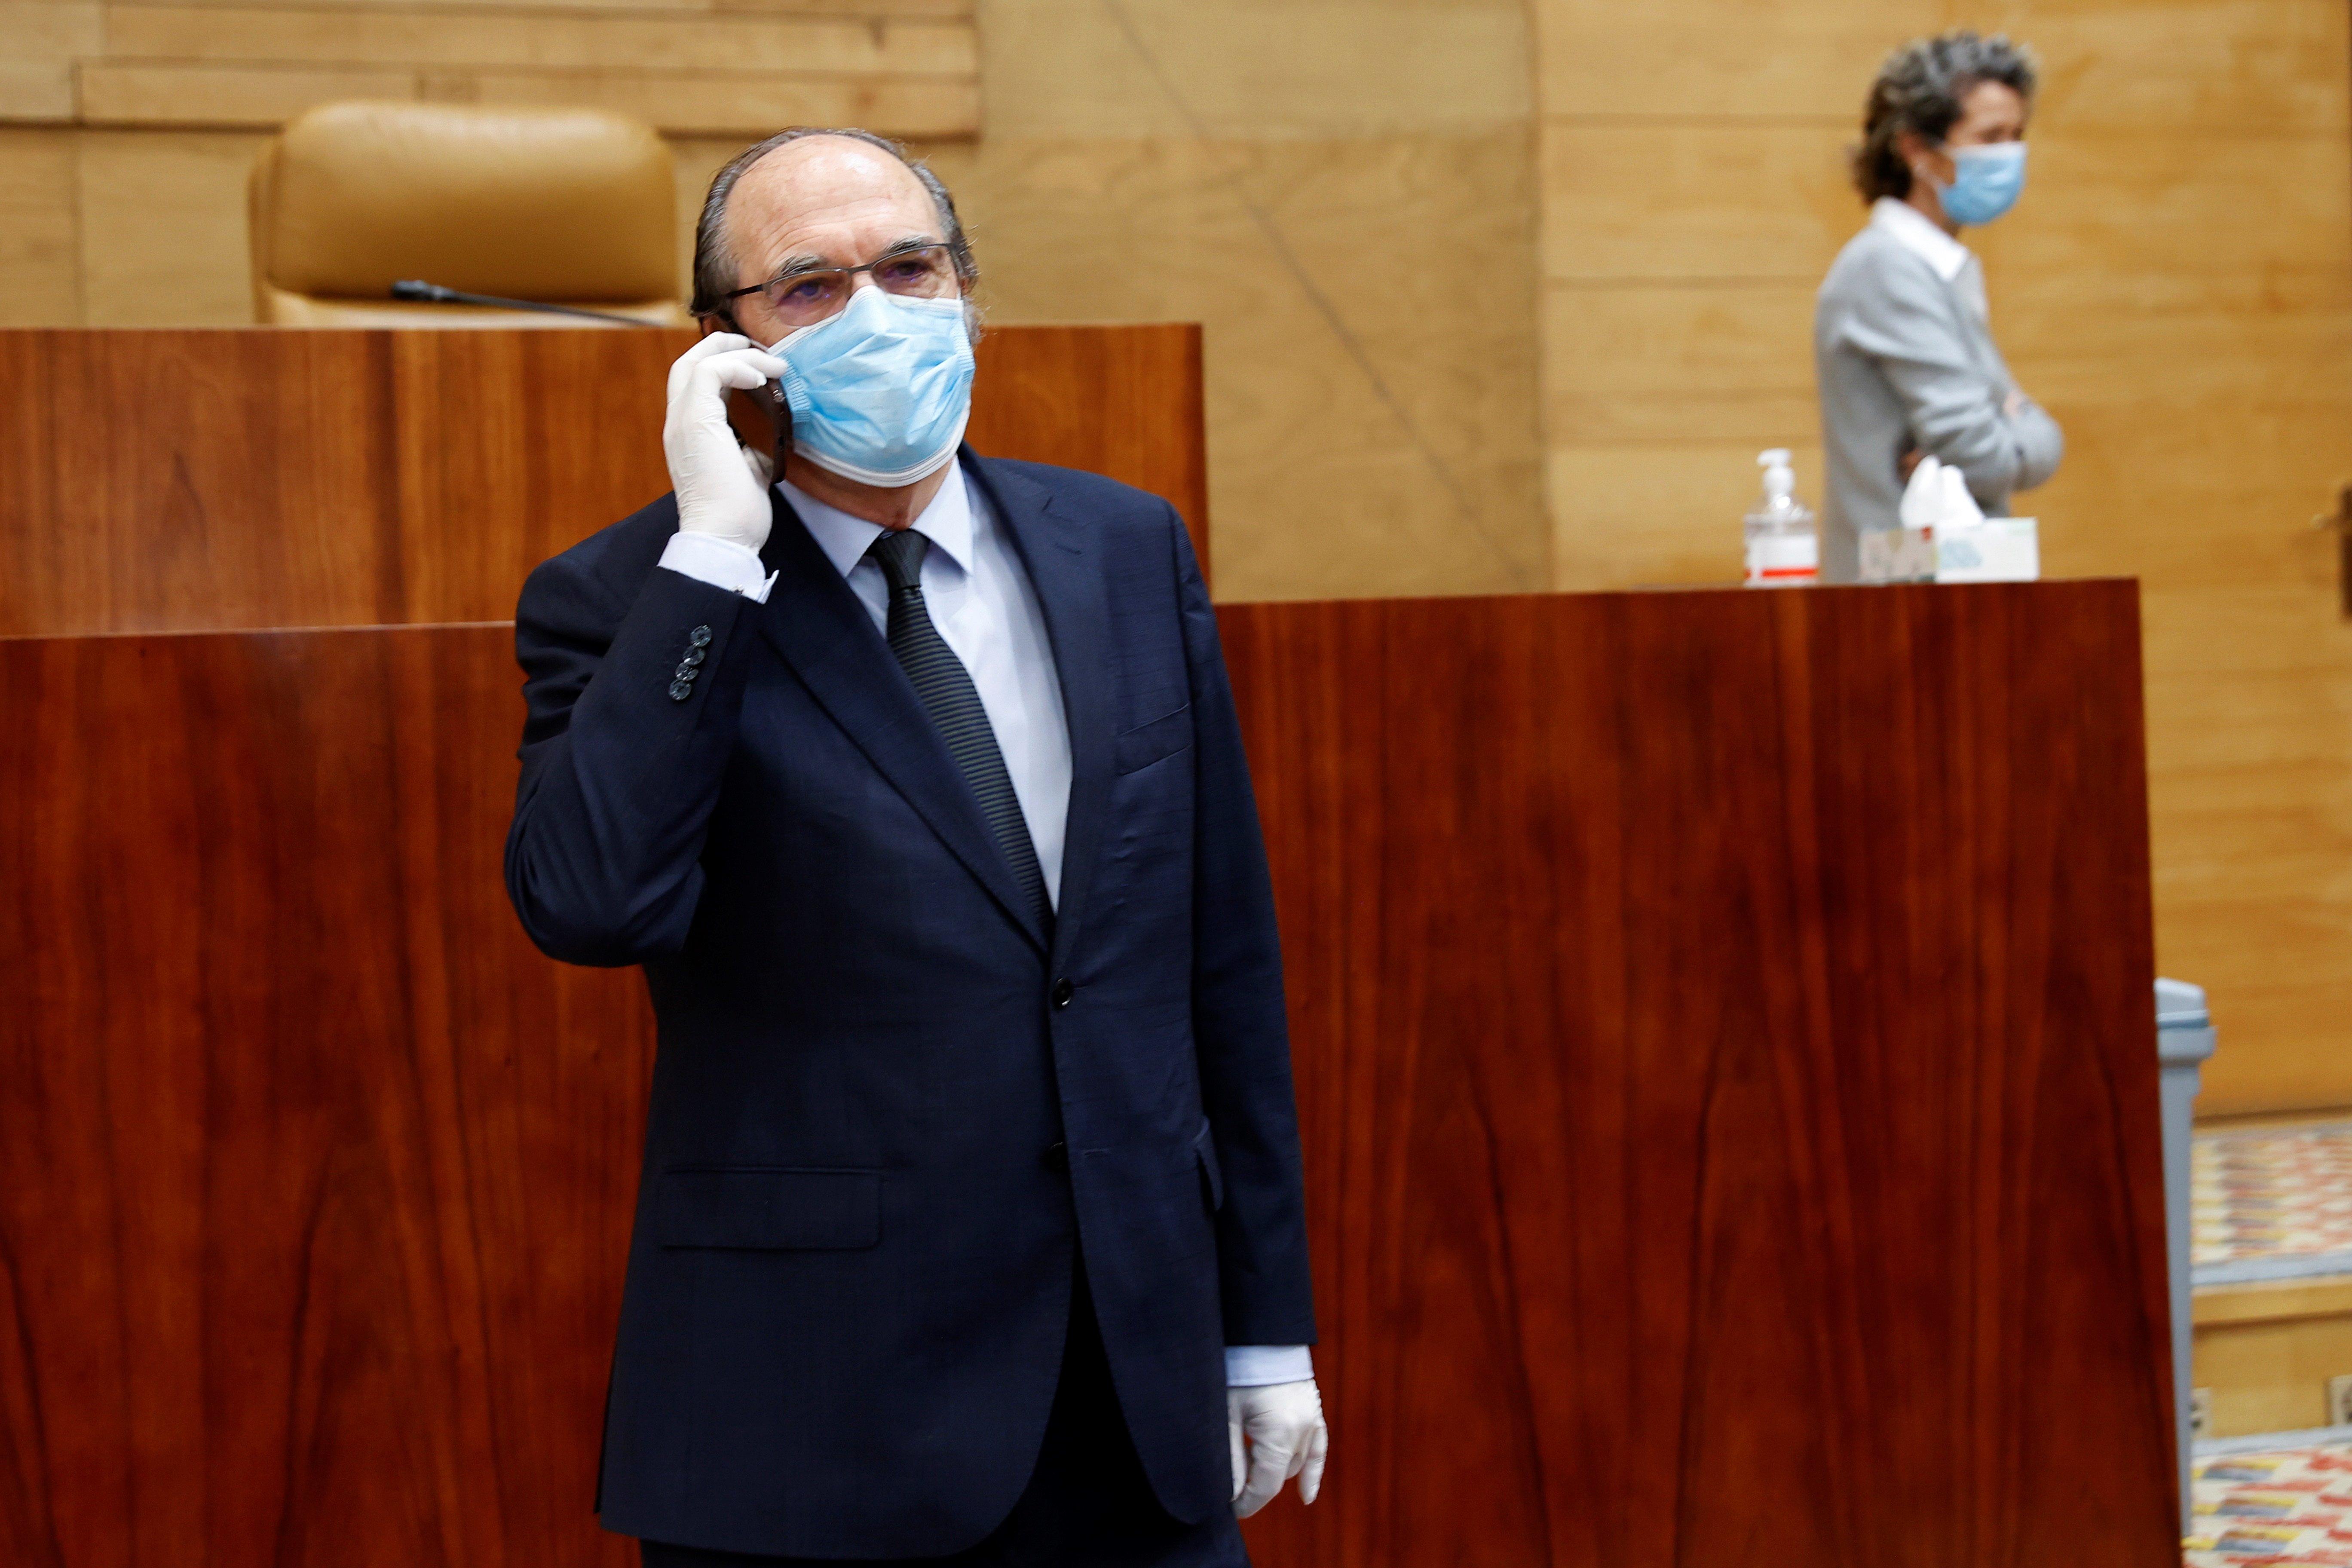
1693, 197
126, 130
2176, 286
1343, 192
1340, 190
906, 67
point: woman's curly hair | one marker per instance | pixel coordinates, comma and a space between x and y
1919, 89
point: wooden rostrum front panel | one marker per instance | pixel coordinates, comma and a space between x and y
1727, 1062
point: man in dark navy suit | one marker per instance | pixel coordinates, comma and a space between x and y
970, 1227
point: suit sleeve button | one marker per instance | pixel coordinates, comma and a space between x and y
699, 637
680, 691
1063, 992
695, 656
685, 672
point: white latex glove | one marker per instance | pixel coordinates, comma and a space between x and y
720, 488
1284, 1423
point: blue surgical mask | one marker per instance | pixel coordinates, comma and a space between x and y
880, 392
1986, 182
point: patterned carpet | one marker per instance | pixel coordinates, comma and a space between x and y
2273, 1202
2287, 1507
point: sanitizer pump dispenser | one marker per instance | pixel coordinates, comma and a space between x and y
1783, 550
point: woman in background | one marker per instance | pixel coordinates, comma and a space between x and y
1901, 335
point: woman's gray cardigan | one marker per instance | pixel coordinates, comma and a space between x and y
1906, 359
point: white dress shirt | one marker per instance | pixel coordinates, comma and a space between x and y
980, 600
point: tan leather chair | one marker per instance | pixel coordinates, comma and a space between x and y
572, 206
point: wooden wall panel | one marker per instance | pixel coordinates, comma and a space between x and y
826, 46
1693, 193
1644, 363
1276, 170
706, 68
182, 482
40, 273
1714, 1153
1676, 200
159, 224
2266, 1353
1728, 1104
1767, 61
45, 38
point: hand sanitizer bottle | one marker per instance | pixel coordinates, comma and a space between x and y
1783, 550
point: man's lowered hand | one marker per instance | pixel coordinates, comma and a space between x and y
1283, 1422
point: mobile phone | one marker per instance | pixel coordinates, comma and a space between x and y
762, 418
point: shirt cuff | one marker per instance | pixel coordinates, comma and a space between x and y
721, 562
1255, 1366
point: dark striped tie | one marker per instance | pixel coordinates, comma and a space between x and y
946, 689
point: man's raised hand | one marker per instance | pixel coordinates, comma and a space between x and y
720, 490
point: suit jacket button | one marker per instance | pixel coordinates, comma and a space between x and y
699, 637
1063, 992
680, 691
683, 672
1057, 1157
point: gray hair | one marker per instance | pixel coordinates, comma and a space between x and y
1919, 90
714, 260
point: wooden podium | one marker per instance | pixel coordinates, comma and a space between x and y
1723, 1021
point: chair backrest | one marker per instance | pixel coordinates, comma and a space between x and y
569, 205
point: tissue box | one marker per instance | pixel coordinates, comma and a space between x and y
1998, 550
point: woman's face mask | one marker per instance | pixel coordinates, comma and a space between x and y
880, 392
1986, 182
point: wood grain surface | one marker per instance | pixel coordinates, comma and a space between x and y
221, 479
1725, 1056
904, 67
1723, 1030
314, 1177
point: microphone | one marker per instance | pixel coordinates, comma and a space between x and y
416, 289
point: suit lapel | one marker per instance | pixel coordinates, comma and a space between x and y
1068, 583
816, 621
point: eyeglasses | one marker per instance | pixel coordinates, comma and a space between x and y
804, 295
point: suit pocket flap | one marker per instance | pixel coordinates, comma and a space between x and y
1147, 743
770, 1210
